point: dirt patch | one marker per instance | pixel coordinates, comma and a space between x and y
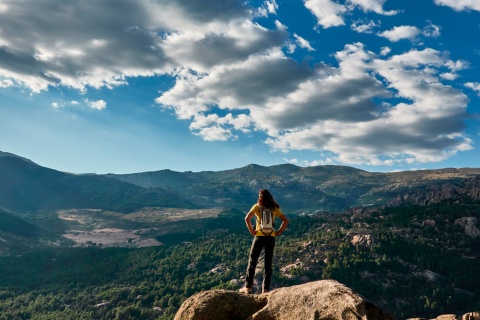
111, 238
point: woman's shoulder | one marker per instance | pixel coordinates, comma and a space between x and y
277, 211
255, 207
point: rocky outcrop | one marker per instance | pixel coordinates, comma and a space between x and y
326, 299
466, 316
364, 240
221, 305
434, 193
471, 316
469, 224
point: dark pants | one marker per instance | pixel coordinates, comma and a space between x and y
259, 243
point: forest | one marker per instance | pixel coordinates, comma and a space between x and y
411, 268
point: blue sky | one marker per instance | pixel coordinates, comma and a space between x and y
123, 86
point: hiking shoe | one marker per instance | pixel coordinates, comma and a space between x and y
246, 290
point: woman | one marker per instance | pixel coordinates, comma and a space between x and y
262, 240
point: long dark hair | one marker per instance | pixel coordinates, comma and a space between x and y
265, 199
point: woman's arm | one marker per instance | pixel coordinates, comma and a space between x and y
283, 226
248, 221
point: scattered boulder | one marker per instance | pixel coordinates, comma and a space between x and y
325, 299
429, 223
428, 275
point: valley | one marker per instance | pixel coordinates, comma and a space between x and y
89, 227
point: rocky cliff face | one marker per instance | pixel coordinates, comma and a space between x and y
325, 299
434, 193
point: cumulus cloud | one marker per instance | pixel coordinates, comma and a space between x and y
96, 105
328, 13
368, 110
474, 86
460, 5
449, 76
103, 50
400, 33
385, 51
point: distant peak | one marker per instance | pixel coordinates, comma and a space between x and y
7, 154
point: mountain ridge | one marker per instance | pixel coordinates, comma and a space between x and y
26, 186
326, 188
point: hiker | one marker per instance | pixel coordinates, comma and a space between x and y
265, 234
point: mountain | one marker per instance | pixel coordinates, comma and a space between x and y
26, 186
320, 188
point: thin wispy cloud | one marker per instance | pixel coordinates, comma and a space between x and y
373, 6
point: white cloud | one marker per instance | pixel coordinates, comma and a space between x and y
431, 30
460, 5
373, 5
332, 109
449, 76
328, 13
269, 7
457, 65
97, 105
5, 83
56, 105
400, 33
234, 41
290, 47
385, 51
474, 86
363, 26
215, 133
101, 50
303, 43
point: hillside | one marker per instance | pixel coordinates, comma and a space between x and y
407, 241
26, 186
321, 188
412, 261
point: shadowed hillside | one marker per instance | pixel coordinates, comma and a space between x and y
26, 186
